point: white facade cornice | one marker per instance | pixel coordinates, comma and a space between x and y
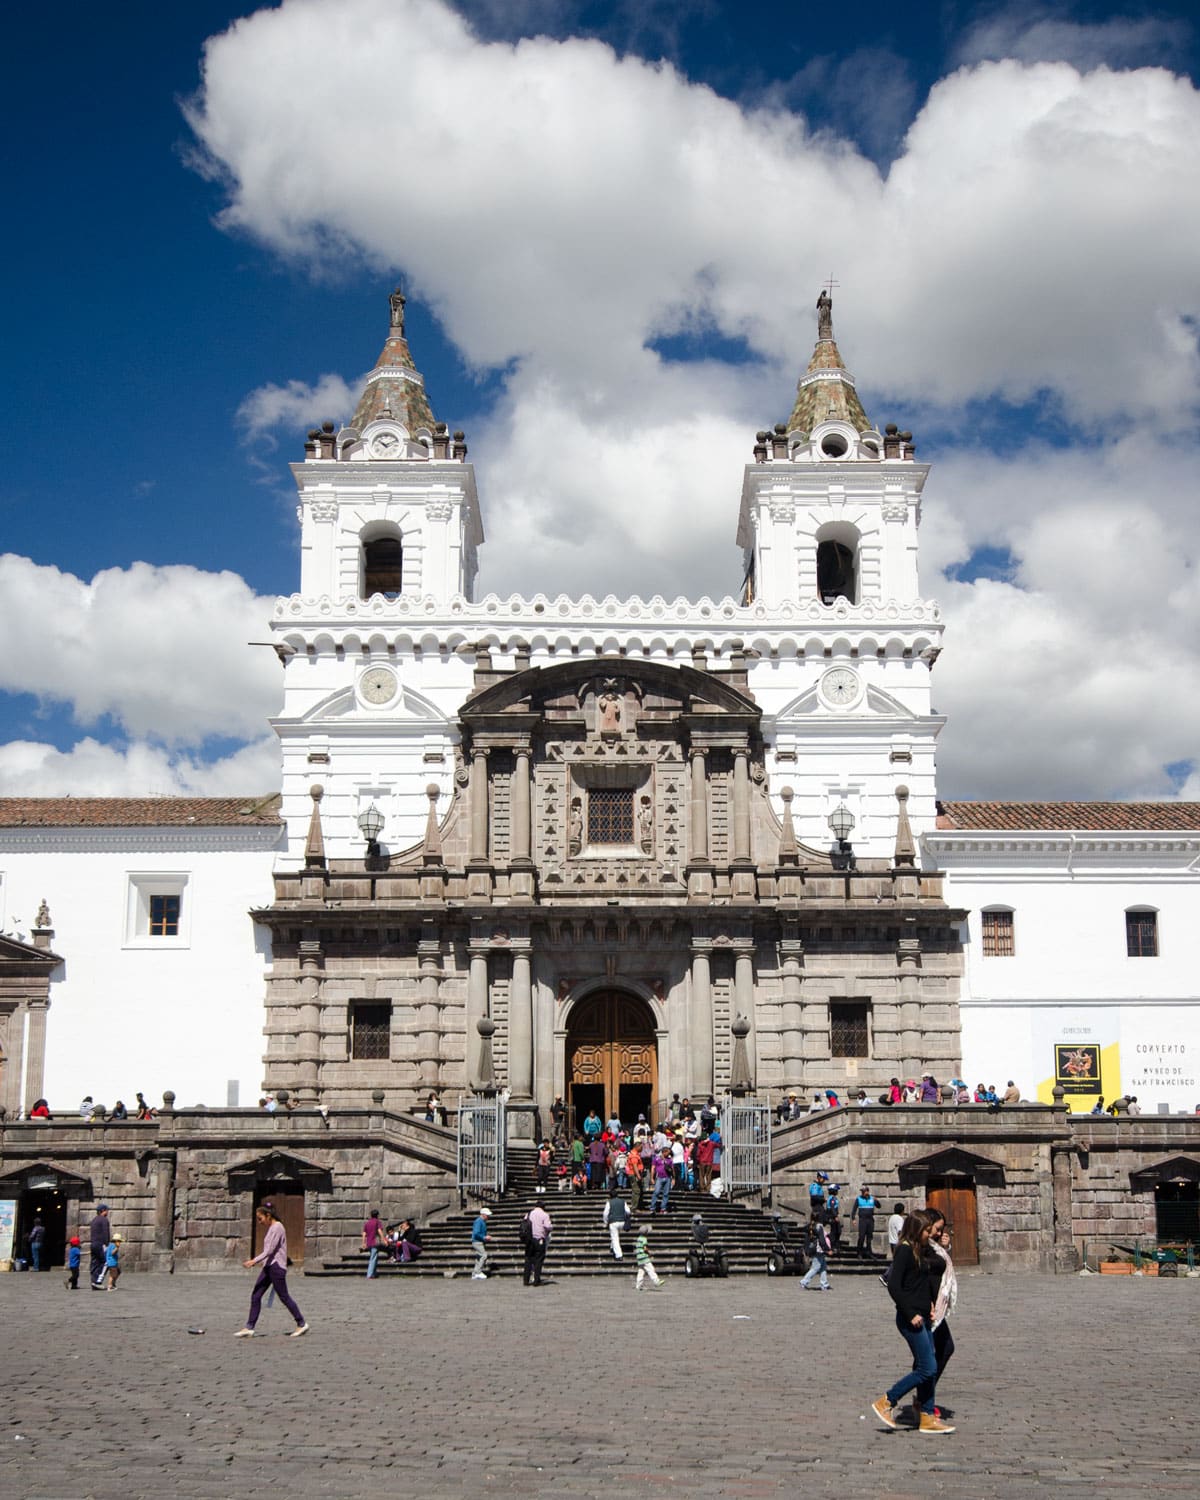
131, 840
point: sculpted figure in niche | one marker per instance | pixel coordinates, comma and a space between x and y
646, 825
397, 301
609, 705
824, 316
575, 827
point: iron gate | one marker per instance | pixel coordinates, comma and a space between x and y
482, 1145
745, 1147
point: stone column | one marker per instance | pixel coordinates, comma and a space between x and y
479, 806
743, 999
308, 1039
164, 1205
791, 1043
477, 1009
521, 819
699, 807
700, 1023
429, 955
35, 1056
741, 803
909, 959
520, 1028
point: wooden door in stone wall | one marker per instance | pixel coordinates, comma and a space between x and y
287, 1199
955, 1197
612, 1051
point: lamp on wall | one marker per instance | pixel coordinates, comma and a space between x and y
370, 825
841, 822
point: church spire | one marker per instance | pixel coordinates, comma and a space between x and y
395, 387
826, 392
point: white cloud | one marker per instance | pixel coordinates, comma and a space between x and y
1034, 33
297, 404
160, 650
92, 769
561, 207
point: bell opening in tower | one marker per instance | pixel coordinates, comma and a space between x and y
836, 573
382, 567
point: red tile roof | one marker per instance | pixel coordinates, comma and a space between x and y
1120, 817
138, 812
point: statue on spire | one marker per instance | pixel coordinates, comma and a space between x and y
397, 301
824, 315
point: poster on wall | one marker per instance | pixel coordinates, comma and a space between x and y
1077, 1068
8, 1220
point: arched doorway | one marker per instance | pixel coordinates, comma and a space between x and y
612, 1057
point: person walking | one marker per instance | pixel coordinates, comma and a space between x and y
947, 1293
372, 1242
894, 1225
822, 1246
74, 1256
645, 1266
545, 1159
911, 1288
535, 1246
37, 1239
661, 1167
479, 1243
615, 1217
864, 1212
99, 1235
112, 1262
273, 1260
635, 1176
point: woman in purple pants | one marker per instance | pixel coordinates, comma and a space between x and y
273, 1260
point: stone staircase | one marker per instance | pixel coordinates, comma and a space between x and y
580, 1243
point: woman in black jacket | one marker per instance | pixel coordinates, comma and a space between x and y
912, 1285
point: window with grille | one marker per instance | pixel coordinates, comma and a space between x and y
999, 935
370, 1032
164, 916
610, 815
849, 1028
1141, 934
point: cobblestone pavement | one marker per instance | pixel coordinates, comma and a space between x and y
743, 1388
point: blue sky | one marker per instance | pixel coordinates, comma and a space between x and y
173, 320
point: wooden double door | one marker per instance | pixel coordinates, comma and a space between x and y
612, 1057
955, 1197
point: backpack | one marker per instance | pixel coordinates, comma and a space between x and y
525, 1231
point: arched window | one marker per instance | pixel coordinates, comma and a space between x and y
382, 566
837, 572
1141, 932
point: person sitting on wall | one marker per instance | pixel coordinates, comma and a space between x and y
144, 1112
119, 1112
40, 1110
1012, 1094
1098, 1107
1133, 1106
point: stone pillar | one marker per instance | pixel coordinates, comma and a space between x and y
1065, 1258
479, 806
741, 803
429, 955
308, 1039
909, 959
791, 1043
699, 808
521, 818
520, 1028
164, 1209
700, 1023
477, 1009
35, 1056
743, 1000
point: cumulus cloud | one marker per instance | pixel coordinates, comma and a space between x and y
161, 651
91, 769
1029, 243
1031, 33
297, 404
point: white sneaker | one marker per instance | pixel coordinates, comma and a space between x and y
299, 1332
478, 1276
244, 1333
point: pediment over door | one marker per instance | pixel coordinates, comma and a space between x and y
951, 1161
281, 1167
1173, 1169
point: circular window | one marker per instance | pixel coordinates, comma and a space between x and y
833, 445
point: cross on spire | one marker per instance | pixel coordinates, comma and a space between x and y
829, 283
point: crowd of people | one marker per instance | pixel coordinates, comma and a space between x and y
92, 1112
911, 1091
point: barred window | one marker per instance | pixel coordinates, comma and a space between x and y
1141, 934
999, 935
370, 1032
610, 815
848, 1028
164, 916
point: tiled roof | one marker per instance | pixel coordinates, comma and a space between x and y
825, 392
139, 812
402, 393
1075, 817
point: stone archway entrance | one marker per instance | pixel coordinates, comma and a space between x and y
612, 1057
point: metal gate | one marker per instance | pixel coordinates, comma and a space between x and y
745, 1147
482, 1145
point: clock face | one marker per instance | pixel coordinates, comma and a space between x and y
377, 685
386, 445
840, 686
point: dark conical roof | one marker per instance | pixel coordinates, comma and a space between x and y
826, 392
395, 387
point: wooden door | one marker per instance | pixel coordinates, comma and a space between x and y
955, 1197
611, 1043
287, 1199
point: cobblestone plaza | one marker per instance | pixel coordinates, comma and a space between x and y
739, 1389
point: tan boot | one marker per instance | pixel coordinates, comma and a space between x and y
934, 1424
886, 1413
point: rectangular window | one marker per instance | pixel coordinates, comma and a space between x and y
1141, 934
164, 916
610, 815
999, 937
370, 1032
849, 1028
